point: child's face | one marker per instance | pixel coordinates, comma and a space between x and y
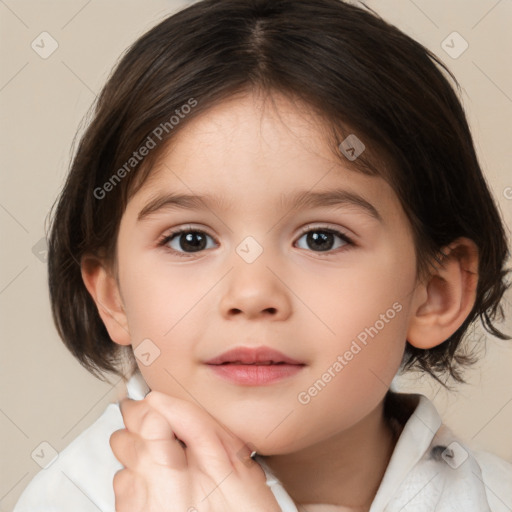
307, 303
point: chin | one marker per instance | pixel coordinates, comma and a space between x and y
266, 436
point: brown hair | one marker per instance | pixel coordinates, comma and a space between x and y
359, 73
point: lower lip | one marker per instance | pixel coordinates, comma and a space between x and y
255, 375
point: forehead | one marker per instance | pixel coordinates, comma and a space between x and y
251, 147
248, 126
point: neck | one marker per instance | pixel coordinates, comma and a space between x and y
344, 470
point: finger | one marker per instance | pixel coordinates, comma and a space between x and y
124, 447
130, 491
139, 454
141, 418
207, 443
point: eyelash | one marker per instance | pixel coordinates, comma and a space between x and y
324, 229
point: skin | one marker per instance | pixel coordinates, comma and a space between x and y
307, 303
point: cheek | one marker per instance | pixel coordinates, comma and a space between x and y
165, 307
348, 383
156, 295
162, 322
366, 315
374, 291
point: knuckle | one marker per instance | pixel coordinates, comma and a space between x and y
122, 480
128, 448
125, 405
153, 425
115, 439
149, 418
153, 398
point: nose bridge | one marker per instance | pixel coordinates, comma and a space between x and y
254, 287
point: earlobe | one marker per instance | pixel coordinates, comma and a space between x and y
104, 290
447, 298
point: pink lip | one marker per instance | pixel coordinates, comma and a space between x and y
243, 365
254, 374
248, 355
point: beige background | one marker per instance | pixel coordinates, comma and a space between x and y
46, 395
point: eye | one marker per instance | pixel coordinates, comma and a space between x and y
186, 241
323, 239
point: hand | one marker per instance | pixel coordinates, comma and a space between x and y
178, 458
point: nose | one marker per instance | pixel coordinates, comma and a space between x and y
255, 290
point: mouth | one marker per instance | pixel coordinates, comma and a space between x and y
254, 366
260, 356
255, 374
264, 363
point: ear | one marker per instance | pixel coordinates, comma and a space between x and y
104, 290
446, 299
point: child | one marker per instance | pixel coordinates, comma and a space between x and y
276, 208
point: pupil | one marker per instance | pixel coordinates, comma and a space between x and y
323, 240
188, 240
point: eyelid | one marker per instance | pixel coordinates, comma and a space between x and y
342, 232
184, 229
325, 226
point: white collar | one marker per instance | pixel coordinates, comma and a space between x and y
414, 440
136, 386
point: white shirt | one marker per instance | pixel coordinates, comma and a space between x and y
422, 475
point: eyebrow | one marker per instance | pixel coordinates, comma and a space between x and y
300, 200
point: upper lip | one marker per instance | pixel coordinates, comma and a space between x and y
249, 355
